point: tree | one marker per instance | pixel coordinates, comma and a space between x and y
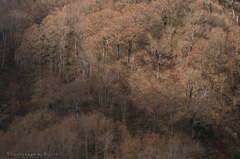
217, 37
160, 49
45, 93
153, 103
74, 94
191, 80
4, 45
131, 31
233, 40
173, 95
31, 51
102, 136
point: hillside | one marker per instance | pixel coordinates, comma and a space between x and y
129, 79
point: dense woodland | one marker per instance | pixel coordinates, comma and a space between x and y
124, 79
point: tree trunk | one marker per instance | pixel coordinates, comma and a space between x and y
86, 147
55, 63
132, 62
63, 61
11, 39
237, 18
233, 11
158, 70
4, 46
40, 71
137, 113
223, 5
239, 67
96, 152
233, 106
193, 123
154, 121
201, 66
13, 109
117, 51
217, 59
129, 50
103, 52
209, 9
222, 94
145, 115
60, 68
15, 56
172, 123
86, 68
124, 111
189, 99
106, 49
3, 54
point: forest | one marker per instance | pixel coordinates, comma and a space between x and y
120, 79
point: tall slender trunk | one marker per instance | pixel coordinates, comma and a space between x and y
63, 63
159, 63
77, 112
124, 107
124, 111
86, 146
102, 106
154, 121
190, 98
104, 52
55, 63
99, 97
233, 110
13, 110
235, 101
60, 67
75, 48
193, 123
217, 59
201, 66
172, 115
96, 152
169, 18
129, 50
145, 115
117, 51
237, 19
14, 51
137, 113
3, 54
233, 10
51, 67
4, 46
11, 38
105, 93
132, 62
239, 67
106, 49
209, 8
40, 71
223, 5
222, 92
158, 71
118, 75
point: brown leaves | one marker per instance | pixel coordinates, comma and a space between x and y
217, 36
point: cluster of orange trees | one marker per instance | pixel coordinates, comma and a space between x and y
120, 78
